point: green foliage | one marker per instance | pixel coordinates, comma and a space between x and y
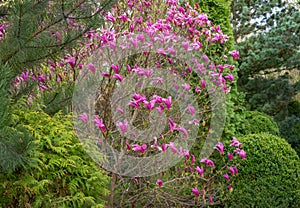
29, 38
64, 175
58, 99
28, 42
269, 177
271, 95
235, 114
290, 130
15, 140
256, 122
294, 108
218, 12
267, 36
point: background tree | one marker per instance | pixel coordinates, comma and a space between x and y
267, 35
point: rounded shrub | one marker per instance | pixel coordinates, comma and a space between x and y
257, 122
290, 130
269, 176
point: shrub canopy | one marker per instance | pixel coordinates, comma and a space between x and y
269, 177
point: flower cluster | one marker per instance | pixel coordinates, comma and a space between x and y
170, 31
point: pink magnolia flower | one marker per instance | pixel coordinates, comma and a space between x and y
161, 51
118, 76
172, 51
232, 170
200, 170
193, 159
157, 99
235, 170
226, 176
160, 109
138, 97
203, 84
91, 67
150, 105
115, 67
42, 87
183, 130
25, 75
186, 86
194, 121
128, 145
159, 182
191, 109
134, 42
122, 125
195, 191
139, 148
176, 87
230, 77
172, 147
208, 162
183, 153
221, 68
185, 45
84, 117
123, 17
157, 80
197, 45
235, 54
105, 74
42, 78
168, 101
128, 68
235, 143
210, 199
120, 110
242, 153
134, 103
164, 147
219, 147
155, 145
172, 124
99, 123
71, 61
230, 156
110, 17
205, 58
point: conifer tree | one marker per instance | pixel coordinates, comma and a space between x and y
32, 32
267, 35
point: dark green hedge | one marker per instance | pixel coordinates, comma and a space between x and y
269, 177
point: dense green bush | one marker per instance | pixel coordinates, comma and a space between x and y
63, 176
290, 130
257, 122
269, 177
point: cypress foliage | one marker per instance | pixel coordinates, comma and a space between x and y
219, 12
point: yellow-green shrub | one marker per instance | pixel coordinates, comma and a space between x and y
63, 176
